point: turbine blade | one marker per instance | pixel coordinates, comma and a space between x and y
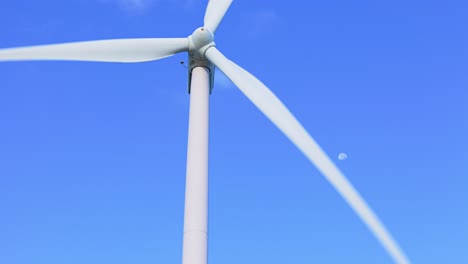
215, 12
114, 50
277, 112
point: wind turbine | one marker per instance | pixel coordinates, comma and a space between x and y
203, 58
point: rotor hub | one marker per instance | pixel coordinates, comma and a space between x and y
200, 40
202, 36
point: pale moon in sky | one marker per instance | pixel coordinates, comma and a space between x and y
342, 156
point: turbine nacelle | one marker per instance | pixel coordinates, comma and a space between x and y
199, 42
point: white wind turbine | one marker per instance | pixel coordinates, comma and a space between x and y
203, 57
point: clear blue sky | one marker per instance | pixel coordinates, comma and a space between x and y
92, 155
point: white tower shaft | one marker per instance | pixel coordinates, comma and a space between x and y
195, 244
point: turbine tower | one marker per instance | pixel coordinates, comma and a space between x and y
203, 58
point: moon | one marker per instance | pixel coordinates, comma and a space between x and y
342, 156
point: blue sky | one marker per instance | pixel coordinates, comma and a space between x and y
92, 155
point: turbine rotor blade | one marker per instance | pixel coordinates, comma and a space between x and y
113, 50
277, 112
215, 12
